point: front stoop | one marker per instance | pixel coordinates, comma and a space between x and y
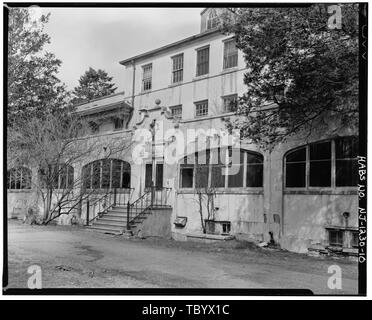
114, 222
208, 238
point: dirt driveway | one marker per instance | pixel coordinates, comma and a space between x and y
73, 257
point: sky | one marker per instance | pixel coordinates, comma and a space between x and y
101, 37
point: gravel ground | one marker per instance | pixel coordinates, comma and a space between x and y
74, 257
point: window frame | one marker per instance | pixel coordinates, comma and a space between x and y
182, 164
176, 107
179, 69
157, 163
198, 104
23, 170
226, 97
225, 56
148, 78
100, 163
308, 188
61, 173
212, 20
198, 50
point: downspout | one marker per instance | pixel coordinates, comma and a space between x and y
133, 93
133, 82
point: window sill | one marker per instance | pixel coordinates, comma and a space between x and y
176, 84
258, 191
202, 117
341, 228
201, 77
19, 190
146, 91
229, 70
322, 192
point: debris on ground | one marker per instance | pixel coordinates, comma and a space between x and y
263, 244
64, 268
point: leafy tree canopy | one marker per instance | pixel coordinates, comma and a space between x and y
299, 69
93, 84
33, 87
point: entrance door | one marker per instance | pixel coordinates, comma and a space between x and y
158, 192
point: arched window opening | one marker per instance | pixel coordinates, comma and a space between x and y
58, 176
106, 174
327, 164
222, 168
19, 178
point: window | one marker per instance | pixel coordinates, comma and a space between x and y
176, 111
212, 21
146, 78
296, 168
177, 72
336, 238
106, 174
187, 172
354, 239
346, 161
158, 175
118, 123
226, 227
320, 164
209, 168
217, 227
202, 169
230, 54
202, 61
19, 178
201, 108
230, 103
236, 169
94, 127
254, 177
323, 164
58, 177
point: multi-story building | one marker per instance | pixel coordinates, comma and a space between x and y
301, 194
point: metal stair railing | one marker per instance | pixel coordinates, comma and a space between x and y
111, 198
154, 197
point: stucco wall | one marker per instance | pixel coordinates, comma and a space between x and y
306, 216
156, 224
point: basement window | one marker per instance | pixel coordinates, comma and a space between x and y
355, 239
336, 238
217, 227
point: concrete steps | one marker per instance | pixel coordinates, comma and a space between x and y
115, 220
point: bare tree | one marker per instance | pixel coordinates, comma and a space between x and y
54, 145
204, 190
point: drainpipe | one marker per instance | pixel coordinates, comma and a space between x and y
133, 92
133, 82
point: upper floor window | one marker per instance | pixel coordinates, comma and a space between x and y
230, 103
176, 111
202, 61
177, 71
323, 164
94, 127
106, 174
19, 178
118, 123
212, 20
212, 169
147, 77
230, 54
201, 108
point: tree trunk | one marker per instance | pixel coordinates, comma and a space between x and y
201, 211
47, 206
